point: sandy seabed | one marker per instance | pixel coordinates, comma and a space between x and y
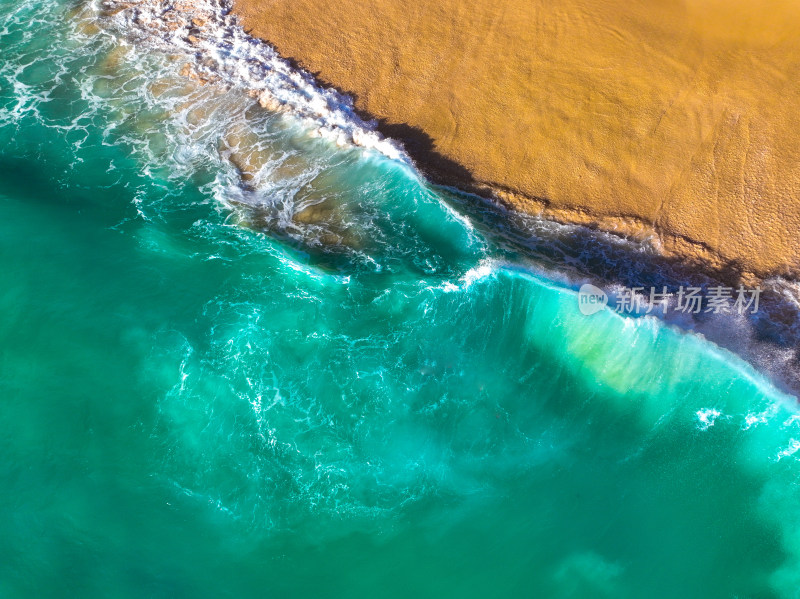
676, 119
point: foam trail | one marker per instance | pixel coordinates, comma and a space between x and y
208, 33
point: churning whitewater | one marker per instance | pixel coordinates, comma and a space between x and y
207, 29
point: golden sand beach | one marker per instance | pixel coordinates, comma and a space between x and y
677, 118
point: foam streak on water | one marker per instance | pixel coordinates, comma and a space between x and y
207, 29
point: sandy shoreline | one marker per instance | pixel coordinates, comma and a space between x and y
209, 50
674, 119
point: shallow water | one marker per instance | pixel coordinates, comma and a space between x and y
240, 360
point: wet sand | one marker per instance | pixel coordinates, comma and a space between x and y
675, 120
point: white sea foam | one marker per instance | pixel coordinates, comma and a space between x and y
789, 450
207, 33
485, 268
707, 417
753, 419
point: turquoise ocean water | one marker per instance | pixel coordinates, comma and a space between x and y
240, 361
